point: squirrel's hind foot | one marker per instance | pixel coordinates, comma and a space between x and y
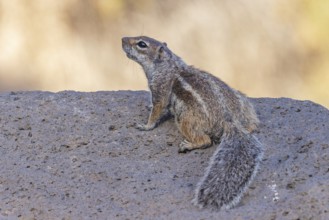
186, 146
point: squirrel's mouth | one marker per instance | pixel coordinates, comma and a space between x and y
130, 56
127, 50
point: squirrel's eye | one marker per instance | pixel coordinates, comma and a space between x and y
141, 44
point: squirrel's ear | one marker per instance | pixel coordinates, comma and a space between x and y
161, 49
160, 53
164, 43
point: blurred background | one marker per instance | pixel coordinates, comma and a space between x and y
265, 48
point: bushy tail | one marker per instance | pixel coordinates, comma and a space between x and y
230, 171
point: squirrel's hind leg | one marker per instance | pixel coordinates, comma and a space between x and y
195, 137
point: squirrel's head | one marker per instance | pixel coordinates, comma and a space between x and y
145, 50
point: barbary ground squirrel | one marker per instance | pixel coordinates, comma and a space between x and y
206, 111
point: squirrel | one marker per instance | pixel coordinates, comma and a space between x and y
206, 111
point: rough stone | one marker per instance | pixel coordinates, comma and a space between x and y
74, 155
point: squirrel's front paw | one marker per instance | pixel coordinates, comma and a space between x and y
143, 127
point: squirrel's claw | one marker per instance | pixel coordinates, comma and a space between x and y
143, 127
184, 147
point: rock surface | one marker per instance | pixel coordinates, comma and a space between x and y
73, 155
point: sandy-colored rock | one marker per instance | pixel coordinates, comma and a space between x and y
73, 155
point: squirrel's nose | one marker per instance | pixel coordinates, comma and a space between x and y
125, 40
